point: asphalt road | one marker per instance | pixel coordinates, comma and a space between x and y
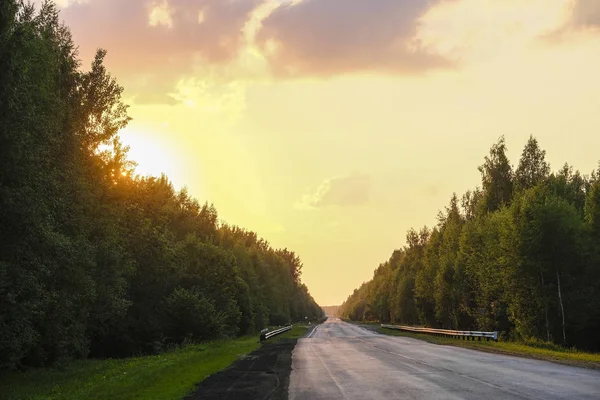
343, 361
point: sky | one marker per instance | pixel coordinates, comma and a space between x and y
331, 127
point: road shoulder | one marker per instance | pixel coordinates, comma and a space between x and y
263, 374
564, 356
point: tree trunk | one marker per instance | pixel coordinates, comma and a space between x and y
562, 308
545, 308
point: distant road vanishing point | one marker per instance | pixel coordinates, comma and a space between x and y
343, 361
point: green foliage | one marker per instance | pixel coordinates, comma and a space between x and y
533, 167
525, 262
189, 315
170, 375
592, 209
95, 261
496, 178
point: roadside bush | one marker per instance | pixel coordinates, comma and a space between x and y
189, 315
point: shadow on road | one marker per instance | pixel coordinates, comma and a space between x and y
263, 374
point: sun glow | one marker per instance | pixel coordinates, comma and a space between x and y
283, 155
153, 155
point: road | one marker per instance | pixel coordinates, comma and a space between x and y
343, 361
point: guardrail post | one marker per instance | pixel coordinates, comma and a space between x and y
263, 334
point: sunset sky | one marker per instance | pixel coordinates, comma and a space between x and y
331, 127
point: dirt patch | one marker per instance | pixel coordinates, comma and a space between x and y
262, 375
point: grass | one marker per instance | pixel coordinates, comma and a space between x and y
536, 350
170, 376
167, 376
297, 332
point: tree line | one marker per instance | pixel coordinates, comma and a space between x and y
94, 260
520, 254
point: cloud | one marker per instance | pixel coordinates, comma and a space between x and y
160, 14
154, 44
329, 37
586, 14
227, 100
581, 15
162, 39
465, 29
350, 190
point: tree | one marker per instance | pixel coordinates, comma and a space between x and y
189, 315
523, 262
95, 261
469, 203
533, 167
570, 186
550, 232
592, 209
496, 178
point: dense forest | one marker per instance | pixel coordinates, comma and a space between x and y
94, 260
520, 254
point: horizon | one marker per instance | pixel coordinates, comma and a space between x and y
334, 141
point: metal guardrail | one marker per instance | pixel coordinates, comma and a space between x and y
465, 335
266, 334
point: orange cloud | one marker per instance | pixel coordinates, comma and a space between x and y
151, 44
329, 37
586, 13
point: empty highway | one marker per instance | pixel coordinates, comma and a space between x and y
343, 361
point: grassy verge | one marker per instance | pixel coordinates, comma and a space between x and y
169, 376
539, 351
297, 332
